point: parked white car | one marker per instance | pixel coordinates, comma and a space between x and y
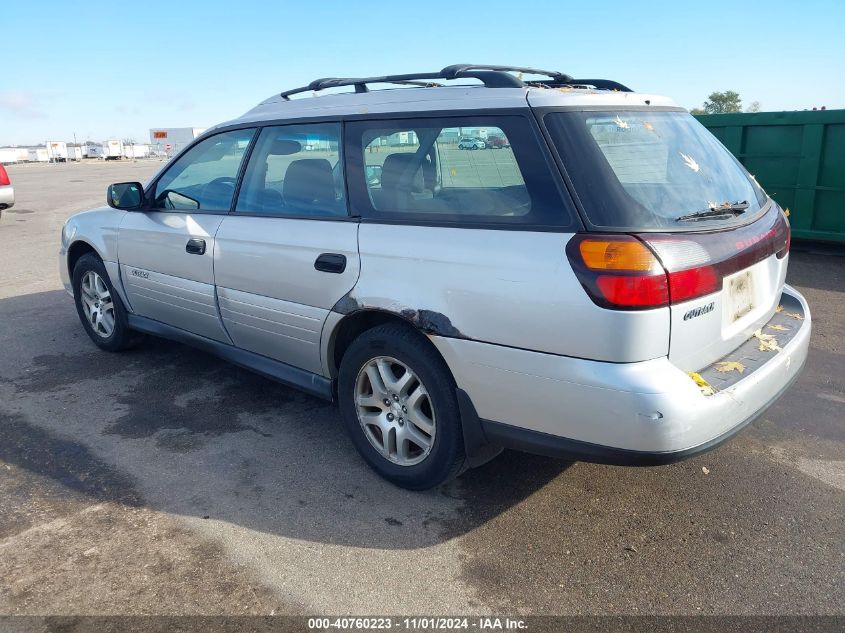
471, 143
589, 293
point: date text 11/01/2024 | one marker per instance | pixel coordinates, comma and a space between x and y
486, 623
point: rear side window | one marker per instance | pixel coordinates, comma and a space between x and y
203, 179
444, 170
295, 170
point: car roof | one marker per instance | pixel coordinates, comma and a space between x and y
440, 99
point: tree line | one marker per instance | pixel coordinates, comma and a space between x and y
724, 102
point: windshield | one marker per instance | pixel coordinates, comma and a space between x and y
648, 170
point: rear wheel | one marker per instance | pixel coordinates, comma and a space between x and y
398, 403
100, 309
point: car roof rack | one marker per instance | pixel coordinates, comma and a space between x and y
490, 76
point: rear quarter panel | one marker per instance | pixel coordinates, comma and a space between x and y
506, 287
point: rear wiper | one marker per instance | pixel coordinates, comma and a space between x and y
729, 209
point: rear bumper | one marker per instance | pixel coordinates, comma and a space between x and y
643, 413
509, 436
7, 197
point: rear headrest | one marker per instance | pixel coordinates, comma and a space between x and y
397, 165
309, 181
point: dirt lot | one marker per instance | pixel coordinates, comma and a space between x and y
166, 481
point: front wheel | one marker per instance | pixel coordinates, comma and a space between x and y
100, 309
398, 404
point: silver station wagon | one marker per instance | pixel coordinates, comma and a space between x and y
598, 279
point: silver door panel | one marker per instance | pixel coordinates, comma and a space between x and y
272, 300
189, 305
274, 257
156, 241
272, 327
162, 280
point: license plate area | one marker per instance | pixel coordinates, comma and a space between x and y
739, 295
784, 325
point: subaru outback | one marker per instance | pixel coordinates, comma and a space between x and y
609, 289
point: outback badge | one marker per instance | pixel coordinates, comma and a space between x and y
691, 314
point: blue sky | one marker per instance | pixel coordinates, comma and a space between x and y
115, 69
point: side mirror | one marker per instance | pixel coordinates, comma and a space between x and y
126, 196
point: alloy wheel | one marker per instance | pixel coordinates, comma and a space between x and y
97, 304
395, 411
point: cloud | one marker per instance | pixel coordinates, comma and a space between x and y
21, 103
122, 108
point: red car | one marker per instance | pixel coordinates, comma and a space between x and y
497, 142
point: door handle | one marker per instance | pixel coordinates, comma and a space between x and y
195, 246
331, 263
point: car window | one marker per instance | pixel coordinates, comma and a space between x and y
203, 179
431, 170
637, 170
295, 170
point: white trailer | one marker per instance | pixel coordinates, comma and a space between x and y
56, 151
92, 150
74, 152
39, 155
112, 149
136, 151
10, 155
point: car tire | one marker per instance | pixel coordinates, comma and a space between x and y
95, 296
408, 455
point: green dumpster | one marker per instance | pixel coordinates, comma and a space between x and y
798, 158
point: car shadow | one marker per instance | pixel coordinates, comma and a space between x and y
172, 428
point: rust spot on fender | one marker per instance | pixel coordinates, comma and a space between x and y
429, 321
347, 304
432, 322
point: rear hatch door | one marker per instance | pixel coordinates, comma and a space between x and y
748, 265
657, 174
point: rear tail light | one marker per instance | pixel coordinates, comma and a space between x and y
688, 265
626, 254
4, 177
619, 271
694, 282
639, 272
633, 292
785, 250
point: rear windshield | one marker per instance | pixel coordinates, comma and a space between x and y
646, 170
